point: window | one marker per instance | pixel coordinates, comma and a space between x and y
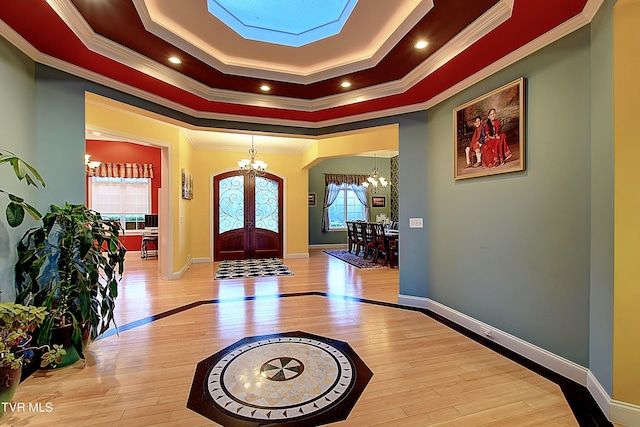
122, 199
347, 207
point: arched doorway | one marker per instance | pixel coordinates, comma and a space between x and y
247, 219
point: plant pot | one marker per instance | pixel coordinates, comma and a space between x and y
29, 367
61, 335
86, 336
9, 381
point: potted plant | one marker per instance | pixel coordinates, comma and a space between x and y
71, 265
17, 206
17, 324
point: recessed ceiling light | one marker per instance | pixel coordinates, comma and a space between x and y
175, 60
345, 84
421, 44
265, 88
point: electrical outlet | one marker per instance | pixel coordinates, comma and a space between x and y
188, 257
415, 223
487, 332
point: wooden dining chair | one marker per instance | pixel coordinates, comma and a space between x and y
380, 243
352, 240
359, 231
370, 239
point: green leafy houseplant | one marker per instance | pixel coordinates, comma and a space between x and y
17, 324
17, 206
71, 265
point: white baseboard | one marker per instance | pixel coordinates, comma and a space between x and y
335, 246
625, 414
621, 413
532, 352
178, 274
599, 394
301, 255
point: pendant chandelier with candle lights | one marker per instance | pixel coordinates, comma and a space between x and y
251, 165
91, 164
375, 181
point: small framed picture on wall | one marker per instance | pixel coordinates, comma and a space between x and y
312, 199
377, 202
187, 185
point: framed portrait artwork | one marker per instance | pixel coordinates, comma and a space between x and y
489, 133
377, 201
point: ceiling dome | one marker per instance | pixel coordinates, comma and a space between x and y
286, 22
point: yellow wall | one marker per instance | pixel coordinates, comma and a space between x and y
183, 237
626, 332
381, 138
105, 115
208, 163
191, 220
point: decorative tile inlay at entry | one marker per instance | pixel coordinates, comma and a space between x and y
286, 379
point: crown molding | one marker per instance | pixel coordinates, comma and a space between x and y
283, 72
107, 48
378, 91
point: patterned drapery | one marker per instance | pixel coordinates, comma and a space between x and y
339, 179
121, 170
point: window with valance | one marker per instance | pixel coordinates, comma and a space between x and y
121, 192
121, 170
346, 192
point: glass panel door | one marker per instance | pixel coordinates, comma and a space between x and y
231, 203
266, 204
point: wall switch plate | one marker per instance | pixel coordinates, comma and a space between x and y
415, 223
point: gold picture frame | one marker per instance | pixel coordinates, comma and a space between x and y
489, 133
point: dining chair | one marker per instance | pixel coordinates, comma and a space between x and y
380, 243
359, 230
352, 240
370, 239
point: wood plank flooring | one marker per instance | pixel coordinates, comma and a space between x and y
425, 374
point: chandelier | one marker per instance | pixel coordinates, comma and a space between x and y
252, 166
375, 180
91, 164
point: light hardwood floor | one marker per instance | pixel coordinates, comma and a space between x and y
425, 374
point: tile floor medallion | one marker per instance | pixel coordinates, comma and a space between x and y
288, 379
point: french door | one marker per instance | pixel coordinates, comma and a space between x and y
247, 216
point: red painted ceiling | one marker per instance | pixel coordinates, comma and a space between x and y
38, 23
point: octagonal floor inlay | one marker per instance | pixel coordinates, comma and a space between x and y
283, 378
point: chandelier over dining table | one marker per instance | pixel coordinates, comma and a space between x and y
375, 181
251, 165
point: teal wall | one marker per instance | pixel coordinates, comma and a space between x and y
358, 165
602, 167
512, 250
60, 136
415, 198
17, 112
42, 117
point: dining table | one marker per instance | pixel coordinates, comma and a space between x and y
393, 239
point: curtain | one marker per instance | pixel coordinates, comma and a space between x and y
334, 182
361, 194
121, 170
339, 179
330, 196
